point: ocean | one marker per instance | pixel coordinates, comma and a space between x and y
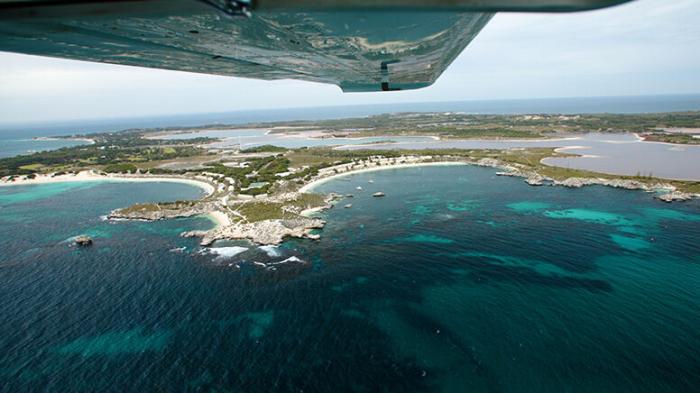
11, 146
572, 105
659, 159
457, 280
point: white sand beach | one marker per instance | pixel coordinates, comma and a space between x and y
94, 176
219, 218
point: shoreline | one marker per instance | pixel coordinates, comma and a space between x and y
51, 138
532, 178
219, 219
315, 183
276, 230
87, 176
563, 150
480, 139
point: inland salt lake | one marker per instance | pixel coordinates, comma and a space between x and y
620, 154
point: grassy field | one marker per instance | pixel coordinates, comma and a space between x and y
266, 210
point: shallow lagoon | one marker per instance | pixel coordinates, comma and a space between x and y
622, 154
458, 280
249, 138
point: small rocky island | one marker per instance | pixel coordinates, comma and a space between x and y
83, 240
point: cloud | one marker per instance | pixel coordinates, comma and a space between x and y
642, 47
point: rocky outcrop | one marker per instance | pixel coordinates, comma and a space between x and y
534, 179
491, 162
578, 182
83, 240
153, 212
626, 184
261, 232
329, 200
274, 231
674, 196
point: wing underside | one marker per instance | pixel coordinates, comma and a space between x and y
359, 48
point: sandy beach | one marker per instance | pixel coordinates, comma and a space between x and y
93, 176
219, 218
310, 186
566, 149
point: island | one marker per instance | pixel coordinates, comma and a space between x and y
264, 193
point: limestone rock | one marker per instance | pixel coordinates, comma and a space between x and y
534, 179
83, 240
492, 162
262, 232
674, 196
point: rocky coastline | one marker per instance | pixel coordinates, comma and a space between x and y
299, 221
266, 232
664, 191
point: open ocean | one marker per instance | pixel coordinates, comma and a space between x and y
16, 139
456, 281
627, 104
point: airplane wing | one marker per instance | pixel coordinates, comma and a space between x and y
359, 45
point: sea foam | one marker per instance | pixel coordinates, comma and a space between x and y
290, 259
227, 252
271, 251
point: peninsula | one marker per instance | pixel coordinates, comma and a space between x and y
264, 194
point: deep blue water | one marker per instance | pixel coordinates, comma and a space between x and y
16, 139
572, 105
457, 280
10, 147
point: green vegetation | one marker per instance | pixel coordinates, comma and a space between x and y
120, 168
266, 210
108, 149
152, 207
265, 149
259, 211
141, 208
308, 201
673, 138
278, 165
256, 170
135, 147
485, 133
31, 167
530, 158
279, 170
461, 125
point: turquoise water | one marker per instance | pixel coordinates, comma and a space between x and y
26, 145
457, 280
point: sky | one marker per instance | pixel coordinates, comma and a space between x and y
645, 47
